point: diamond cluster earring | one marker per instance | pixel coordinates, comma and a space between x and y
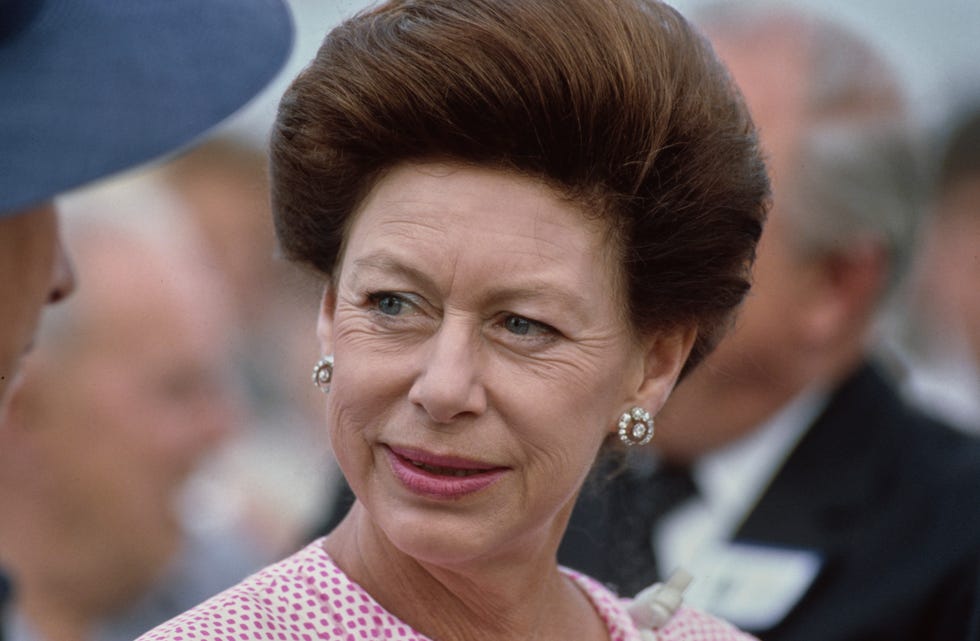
636, 427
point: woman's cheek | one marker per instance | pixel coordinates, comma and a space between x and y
350, 439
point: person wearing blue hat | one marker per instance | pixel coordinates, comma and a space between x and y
92, 87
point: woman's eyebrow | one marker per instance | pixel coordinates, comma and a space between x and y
568, 302
390, 264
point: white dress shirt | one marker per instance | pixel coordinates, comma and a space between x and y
730, 482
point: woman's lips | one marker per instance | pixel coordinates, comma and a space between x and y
443, 477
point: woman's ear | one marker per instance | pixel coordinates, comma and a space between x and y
324, 323
664, 355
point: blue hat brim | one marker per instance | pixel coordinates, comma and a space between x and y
91, 87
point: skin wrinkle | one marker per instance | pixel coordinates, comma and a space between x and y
466, 593
446, 373
450, 590
457, 382
572, 304
415, 223
383, 263
399, 232
592, 346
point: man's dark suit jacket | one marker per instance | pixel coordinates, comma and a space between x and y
888, 497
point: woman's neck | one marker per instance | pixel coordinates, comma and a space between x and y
500, 598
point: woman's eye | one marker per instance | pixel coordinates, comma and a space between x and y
526, 327
389, 304
517, 325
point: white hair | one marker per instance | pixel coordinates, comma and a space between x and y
859, 174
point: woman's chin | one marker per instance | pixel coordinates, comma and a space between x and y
440, 541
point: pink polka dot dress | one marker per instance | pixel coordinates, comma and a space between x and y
307, 597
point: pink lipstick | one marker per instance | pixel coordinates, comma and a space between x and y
441, 477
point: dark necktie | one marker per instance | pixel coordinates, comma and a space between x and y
637, 506
6, 590
611, 531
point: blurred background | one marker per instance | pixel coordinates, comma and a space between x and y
935, 45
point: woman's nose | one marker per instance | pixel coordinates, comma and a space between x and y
450, 385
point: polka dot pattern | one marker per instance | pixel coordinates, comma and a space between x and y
308, 598
691, 625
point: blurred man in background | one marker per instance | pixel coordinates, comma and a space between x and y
807, 499
943, 309
279, 461
127, 392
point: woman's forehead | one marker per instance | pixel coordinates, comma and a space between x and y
460, 206
488, 225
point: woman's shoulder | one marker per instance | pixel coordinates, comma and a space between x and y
686, 624
303, 596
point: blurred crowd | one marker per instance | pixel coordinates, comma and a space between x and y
936, 319
164, 441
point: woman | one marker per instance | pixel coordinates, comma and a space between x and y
533, 217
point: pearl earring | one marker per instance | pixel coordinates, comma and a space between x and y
323, 373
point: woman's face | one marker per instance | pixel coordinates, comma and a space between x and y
482, 356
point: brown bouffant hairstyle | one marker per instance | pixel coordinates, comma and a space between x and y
617, 104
